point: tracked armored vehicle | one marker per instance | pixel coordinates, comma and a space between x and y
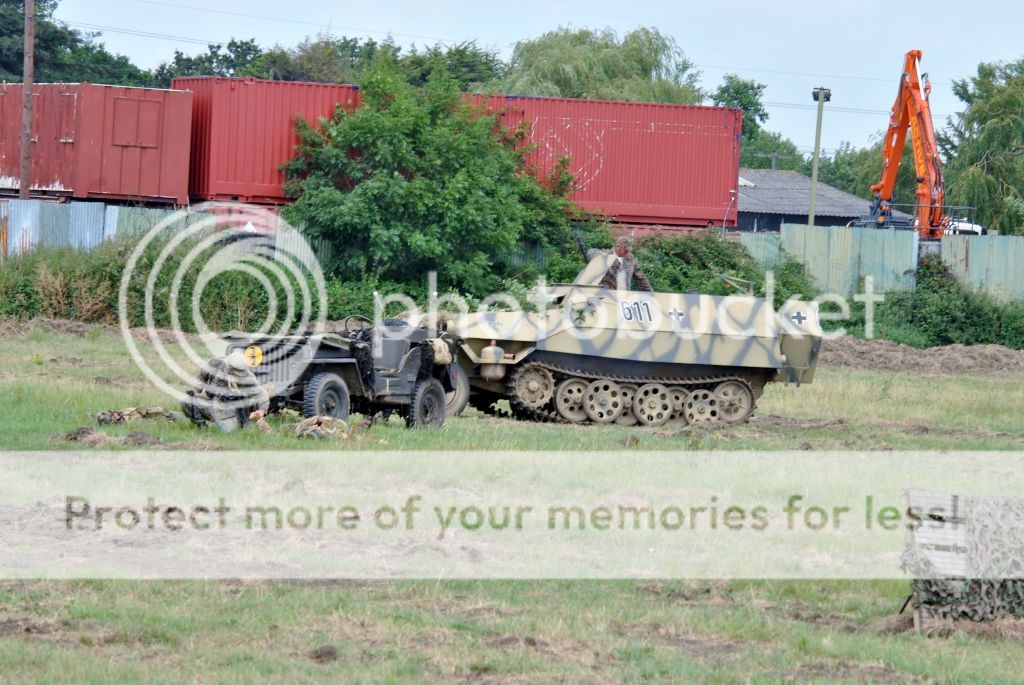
593, 354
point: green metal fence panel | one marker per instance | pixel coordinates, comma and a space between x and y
838, 258
889, 256
765, 248
992, 263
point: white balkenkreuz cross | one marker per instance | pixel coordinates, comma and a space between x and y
675, 314
799, 318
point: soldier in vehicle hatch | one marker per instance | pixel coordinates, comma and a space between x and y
625, 263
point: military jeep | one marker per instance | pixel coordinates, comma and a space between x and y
368, 369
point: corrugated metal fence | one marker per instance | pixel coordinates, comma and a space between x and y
994, 263
25, 224
80, 225
765, 248
838, 258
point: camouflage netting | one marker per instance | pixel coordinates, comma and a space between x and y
994, 586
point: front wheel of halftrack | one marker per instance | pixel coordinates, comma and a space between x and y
427, 407
456, 400
326, 395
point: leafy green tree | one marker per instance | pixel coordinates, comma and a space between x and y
237, 58
769, 150
744, 94
415, 180
470, 65
61, 53
324, 59
855, 170
985, 146
644, 65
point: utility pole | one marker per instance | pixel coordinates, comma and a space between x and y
25, 182
822, 95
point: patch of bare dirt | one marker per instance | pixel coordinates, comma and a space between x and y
701, 647
116, 381
843, 670
704, 593
516, 642
896, 624
831, 621
789, 422
999, 629
25, 627
949, 360
68, 633
13, 328
323, 654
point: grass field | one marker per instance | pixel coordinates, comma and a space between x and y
508, 631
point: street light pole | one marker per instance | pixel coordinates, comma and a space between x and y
822, 95
25, 180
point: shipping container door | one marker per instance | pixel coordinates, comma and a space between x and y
135, 127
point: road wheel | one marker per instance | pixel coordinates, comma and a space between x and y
652, 404
427, 406
456, 400
702, 408
627, 417
679, 395
569, 400
326, 395
735, 401
603, 401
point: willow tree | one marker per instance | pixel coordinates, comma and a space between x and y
985, 146
644, 65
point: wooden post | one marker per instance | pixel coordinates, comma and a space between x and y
25, 182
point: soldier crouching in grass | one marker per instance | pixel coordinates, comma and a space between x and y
225, 394
625, 263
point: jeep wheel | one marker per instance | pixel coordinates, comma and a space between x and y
427, 406
326, 395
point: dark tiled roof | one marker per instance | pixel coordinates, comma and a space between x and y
775, 191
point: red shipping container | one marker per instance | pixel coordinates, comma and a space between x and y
102, 142
636, 162
243, 130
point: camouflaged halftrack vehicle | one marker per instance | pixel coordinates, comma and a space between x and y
601, 355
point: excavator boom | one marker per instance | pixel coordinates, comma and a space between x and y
911, 112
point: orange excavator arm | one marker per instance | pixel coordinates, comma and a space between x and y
912, 112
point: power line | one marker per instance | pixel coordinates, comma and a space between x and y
330, 26
806, 74
144, 34
299, 22
842, 110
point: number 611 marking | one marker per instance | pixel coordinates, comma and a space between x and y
637, 310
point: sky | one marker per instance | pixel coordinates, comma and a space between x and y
853, 47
